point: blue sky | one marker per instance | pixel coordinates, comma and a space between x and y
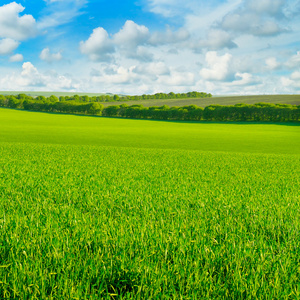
148, 46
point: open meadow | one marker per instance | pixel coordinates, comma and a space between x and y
104, 208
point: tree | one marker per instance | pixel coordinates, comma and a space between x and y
53, 99
13, 102
41, 98
95, 108
3, 101
85, 98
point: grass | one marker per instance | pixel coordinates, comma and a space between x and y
99, 208
31, 127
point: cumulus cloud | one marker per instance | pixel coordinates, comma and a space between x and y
218, 67
153, 68
49, 57
28, 69
243, 79
142, 78
131, 35
14, 26
272, 63
98, 46
16, 58
7, 46
294, 61
292, 82
296, 76
135, 41
116, 75
31, 78
129, 40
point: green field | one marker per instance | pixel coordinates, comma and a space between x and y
103, 208
30, 127
224, 100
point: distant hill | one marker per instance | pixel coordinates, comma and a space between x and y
47, 94
221, 100
203, 102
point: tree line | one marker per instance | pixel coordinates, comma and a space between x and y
264, 112
103, 98
260, 112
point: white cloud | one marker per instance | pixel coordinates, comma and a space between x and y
256, 17
131, 35
98, 46
272, 63
292, 82
268, 28
142, 78
7, 46
30, 78
136, 42
216, 39
243, 79
239, 22
115, 75
294, 61
250, 23
13, 26
16, 58
28, 69
207, 14
177, 79
129, 42
140, 53
153, 68
296, 76
49, 57
270, 7
218, 67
